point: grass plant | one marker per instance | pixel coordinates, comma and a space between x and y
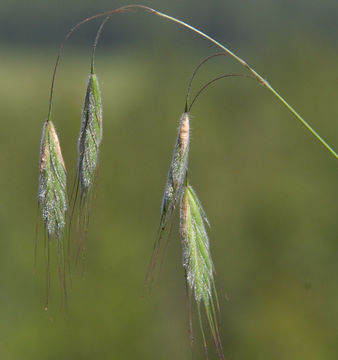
197, 261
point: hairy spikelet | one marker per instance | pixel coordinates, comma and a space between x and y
52, 182
197, 261
177, 171
196, 254
174, 186
90, 135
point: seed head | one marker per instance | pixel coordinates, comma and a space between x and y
52, 182
174, 186
196, 254
90, 135
177, 171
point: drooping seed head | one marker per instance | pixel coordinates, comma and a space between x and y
90, 135
52, 182
174, 186
197, 262
196, 254
177, 171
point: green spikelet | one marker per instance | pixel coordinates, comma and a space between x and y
52, 182
173, 189
196, 254
90, 135
197, 260
177, 171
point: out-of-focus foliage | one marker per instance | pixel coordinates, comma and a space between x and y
248, 22
268, 187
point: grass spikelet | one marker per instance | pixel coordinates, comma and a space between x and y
197, 261
90, 135
177, 171
52, 182
89, 142
174, 186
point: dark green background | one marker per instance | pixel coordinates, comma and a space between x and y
269, 188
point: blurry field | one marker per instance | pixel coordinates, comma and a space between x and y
269, 188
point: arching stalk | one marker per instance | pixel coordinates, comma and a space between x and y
259, 78
195, 72
211, 82
255, 74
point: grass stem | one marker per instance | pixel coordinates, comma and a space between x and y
256, 75
129, 8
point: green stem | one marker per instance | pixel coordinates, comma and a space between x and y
256, 75
69, 34
98, 34
128, 8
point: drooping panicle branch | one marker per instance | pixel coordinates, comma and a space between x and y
197, 69
147, 9
98, 34
256, 75
204, 87
127, 8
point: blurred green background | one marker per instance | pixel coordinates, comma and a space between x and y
269, 188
